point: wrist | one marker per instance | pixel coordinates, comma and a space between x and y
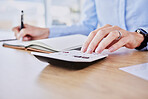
140, 38
145, 38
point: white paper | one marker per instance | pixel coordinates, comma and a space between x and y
140, 70
65, 42
58, 43
4, 35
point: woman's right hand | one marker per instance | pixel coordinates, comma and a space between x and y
30, 32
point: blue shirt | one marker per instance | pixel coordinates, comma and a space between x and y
127, 14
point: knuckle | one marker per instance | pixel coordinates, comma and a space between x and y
92, 34
124, 41
116, 27
108, 25
101, 32
113, 34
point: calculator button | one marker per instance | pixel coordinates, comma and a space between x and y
78, 56
85, 57
65, 52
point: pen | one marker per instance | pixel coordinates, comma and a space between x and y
22, 24
22, 20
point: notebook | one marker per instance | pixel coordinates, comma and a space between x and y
49, 45
6, 36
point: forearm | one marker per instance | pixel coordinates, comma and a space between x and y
56, 31
88, 22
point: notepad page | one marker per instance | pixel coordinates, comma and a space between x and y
18, 42
65, 42
4, 35
53, 44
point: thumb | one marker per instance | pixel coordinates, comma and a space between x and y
21, 34
27, 38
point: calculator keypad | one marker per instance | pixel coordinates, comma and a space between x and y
74, 56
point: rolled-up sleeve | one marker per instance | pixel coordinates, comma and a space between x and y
88, 23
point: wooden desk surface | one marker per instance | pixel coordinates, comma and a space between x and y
22, 76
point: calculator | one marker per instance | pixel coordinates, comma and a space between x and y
73, 59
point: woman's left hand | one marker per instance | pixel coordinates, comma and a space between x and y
112, 38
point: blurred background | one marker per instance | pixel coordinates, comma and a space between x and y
43, 13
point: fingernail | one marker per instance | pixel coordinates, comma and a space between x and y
83, 49
25, 38
98, 50
89, 51
111, 49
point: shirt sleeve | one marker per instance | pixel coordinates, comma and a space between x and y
88, 23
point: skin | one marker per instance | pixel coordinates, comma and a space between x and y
106, 38
98, 40
30, 33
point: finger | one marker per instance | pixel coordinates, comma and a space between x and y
96, 40
27, 38
90, 38
87, 42
99, 36
16, 30
107, 41
26, 25
119, 44
22, 34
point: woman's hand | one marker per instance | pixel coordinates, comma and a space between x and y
112, 38
31, 32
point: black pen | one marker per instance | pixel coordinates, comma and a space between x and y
22, 24
22, 20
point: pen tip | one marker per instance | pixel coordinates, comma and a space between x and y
22, 11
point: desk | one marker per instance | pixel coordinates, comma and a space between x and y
22, 76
